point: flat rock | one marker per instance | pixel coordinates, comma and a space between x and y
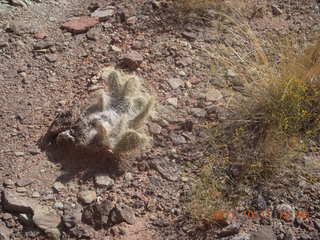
173, 101
13, 202
80, 24
122, 213
103, 14
177, 139
97, 215
167, 169
58, 186
132, 60
47, 220
104, 181
175, 83
87, 197
213, 95
198, 112
265, 233
18, 3
24, 182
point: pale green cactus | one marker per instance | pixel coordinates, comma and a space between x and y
115, 119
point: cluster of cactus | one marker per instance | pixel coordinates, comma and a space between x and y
113, 120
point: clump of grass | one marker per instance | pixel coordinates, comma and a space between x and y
279, 115
207, 195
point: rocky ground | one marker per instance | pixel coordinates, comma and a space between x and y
50, 55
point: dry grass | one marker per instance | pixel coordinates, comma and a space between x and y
197, 6
275, 119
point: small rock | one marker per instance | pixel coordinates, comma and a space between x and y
72, 217
128, 177
92, 34
276, 11
48, 221
15, 203
115, 49
132, 20
175, 83
177, 139
97, 215
184, 179
58, 186
122, 213
154, 128
87, 197
198, 112
24, 182
229, 230
21, 190
173, 101
241, 237
18, 3
189, 35
167, 169
231, 74
42, 45
51, 58
19, 154
58, 205
265, 233
94, 6
80, 24
8, 183
213, 95
36, 195
132, 60
40, 35
103, 14
104, 181
286, 212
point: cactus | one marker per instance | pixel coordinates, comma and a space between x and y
113, 120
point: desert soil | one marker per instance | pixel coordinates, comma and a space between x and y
46, 69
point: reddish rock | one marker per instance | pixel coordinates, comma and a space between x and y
132, 60
40, 35
80, 25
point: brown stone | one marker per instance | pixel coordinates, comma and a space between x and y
40, 35
132, 60
80, 24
